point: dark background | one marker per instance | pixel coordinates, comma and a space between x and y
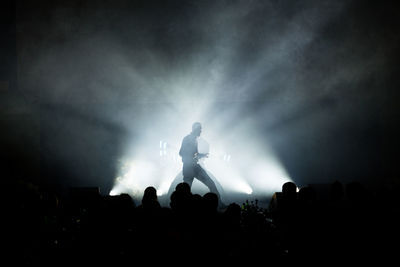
324, 86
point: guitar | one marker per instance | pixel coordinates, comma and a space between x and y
198, 156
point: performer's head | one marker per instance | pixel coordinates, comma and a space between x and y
196, 128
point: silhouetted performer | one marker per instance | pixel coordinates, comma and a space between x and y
190, 157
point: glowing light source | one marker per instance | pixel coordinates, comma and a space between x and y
242, 186
113, 192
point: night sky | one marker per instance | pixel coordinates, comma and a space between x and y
316, 80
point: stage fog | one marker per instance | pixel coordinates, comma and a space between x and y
285, 91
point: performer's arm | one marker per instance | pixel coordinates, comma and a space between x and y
182, 150
202, 155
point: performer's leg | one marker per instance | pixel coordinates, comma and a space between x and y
202, 176
188, 173
188, 180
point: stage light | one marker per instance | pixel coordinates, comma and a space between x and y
114, 192
243, 187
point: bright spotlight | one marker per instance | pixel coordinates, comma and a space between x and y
113, 192
242, 187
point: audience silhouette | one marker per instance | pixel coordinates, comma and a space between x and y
298, 224
150, 199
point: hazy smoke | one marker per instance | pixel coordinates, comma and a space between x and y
305, 77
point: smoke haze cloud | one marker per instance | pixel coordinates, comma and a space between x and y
312, 80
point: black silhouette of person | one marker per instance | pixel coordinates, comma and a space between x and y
190, 157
